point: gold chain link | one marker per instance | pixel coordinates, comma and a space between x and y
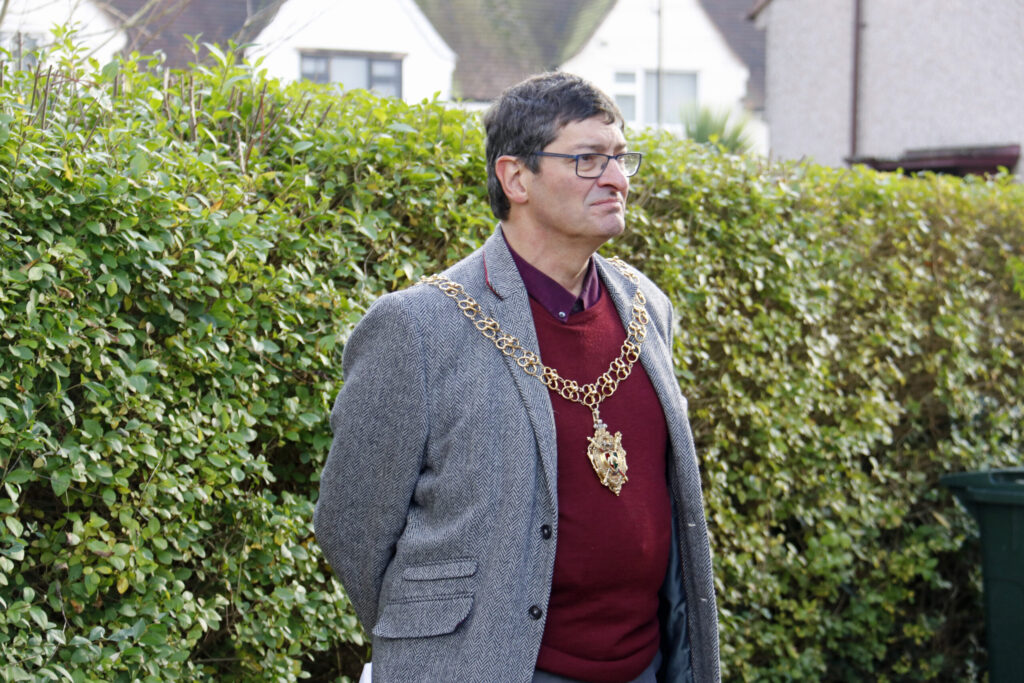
589, 395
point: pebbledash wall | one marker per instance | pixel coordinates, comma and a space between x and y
382, 28
932, 74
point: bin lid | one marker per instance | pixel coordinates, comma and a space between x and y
1004, 486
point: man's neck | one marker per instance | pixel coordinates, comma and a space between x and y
563, 262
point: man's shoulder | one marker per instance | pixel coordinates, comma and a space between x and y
631, 273
422, 299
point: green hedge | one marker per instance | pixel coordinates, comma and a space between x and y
183, 255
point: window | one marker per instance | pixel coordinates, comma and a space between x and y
678, 91
625, 94
22, 47
381, 73
627, 105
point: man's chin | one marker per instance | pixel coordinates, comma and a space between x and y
614, 228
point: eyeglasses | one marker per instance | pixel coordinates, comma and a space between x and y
592, 164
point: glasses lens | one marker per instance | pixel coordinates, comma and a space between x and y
593, 165
590, 165
630, 163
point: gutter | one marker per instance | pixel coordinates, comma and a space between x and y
858, 15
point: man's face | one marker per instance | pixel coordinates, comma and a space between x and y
590, 210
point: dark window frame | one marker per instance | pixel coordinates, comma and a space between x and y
370, 58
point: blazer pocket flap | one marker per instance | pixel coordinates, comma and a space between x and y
440, 570
423, 618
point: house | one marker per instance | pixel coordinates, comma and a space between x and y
925, 85
153, 26
746, 40
388, 46
658, 58
655, 57
27, 25
400, 47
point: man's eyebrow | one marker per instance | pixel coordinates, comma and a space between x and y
585, 147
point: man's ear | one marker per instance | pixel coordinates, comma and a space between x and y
511, 173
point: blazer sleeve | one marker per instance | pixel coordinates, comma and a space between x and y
379, 422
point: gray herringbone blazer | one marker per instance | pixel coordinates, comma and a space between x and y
442, 474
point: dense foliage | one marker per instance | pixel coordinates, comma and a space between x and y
183, 255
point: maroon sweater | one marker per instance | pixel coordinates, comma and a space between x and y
612, 552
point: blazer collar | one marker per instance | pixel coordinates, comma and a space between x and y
505, 299
503, 280
619, 287
500, 272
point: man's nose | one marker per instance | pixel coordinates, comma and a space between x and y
614, 176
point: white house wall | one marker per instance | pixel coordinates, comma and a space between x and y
628, 41
96, 33
381, 26
933, 74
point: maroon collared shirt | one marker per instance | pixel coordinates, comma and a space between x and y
553, 297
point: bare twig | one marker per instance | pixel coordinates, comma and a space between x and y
166, 96
46, 97
258, 118
192, 104
35, 87
323, 117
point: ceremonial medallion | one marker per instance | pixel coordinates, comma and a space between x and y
608, 457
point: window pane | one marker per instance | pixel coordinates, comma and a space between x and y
350, 72
625, 77
678, 91
384, 68
313, 69
627, 105
387, 88
386, 77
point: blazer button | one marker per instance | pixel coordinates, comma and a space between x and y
536, 612
545, 531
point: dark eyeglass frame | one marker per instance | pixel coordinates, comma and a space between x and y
607, 159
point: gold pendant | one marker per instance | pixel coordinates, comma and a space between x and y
607, 456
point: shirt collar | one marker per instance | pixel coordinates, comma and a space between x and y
553, 297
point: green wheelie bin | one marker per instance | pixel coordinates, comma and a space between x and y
995, 499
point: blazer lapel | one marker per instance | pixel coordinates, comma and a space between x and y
505, 299
655, 357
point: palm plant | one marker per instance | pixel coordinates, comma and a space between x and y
713, 126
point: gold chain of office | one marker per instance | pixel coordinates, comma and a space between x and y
606, 454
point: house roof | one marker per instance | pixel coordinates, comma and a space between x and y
500, 44
153, 25
734, 21
756, 9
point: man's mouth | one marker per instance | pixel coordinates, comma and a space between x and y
609, 201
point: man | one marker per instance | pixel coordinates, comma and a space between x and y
512, 492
